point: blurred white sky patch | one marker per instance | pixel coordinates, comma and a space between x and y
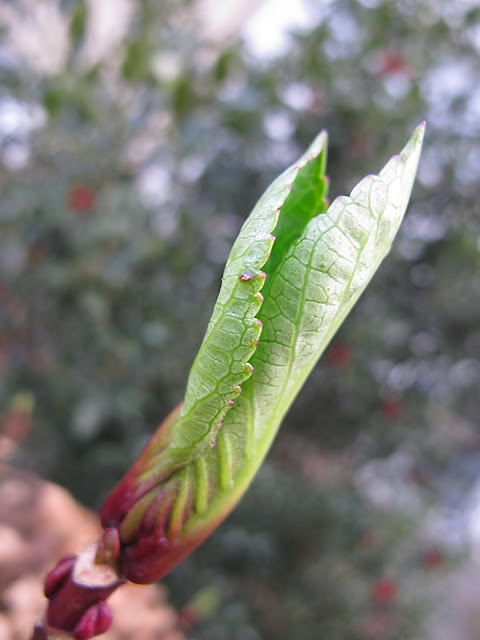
473, 519
222, 20
386, 485
107, 24
154, 185
15, 156
278, 125
17, 121
267, 33
298, 96
36, 30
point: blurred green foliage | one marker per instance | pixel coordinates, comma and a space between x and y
125, 179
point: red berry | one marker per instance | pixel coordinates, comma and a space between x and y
82, 199
339, 354
392, 407
393, 62
433, 558
384, 591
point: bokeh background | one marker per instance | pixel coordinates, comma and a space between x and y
135, 137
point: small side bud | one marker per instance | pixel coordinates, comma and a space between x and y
141, 559
108, 548
58, 575
96, 620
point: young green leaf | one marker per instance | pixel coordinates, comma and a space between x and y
206, 454
320, 279
223, 362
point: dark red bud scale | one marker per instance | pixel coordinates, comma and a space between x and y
108, 548
96, 620
57, 576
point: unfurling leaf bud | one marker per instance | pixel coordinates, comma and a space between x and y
282, 299
201, 460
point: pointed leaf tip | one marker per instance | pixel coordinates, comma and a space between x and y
318, 145
414, 145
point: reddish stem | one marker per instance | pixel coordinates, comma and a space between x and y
77, 589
